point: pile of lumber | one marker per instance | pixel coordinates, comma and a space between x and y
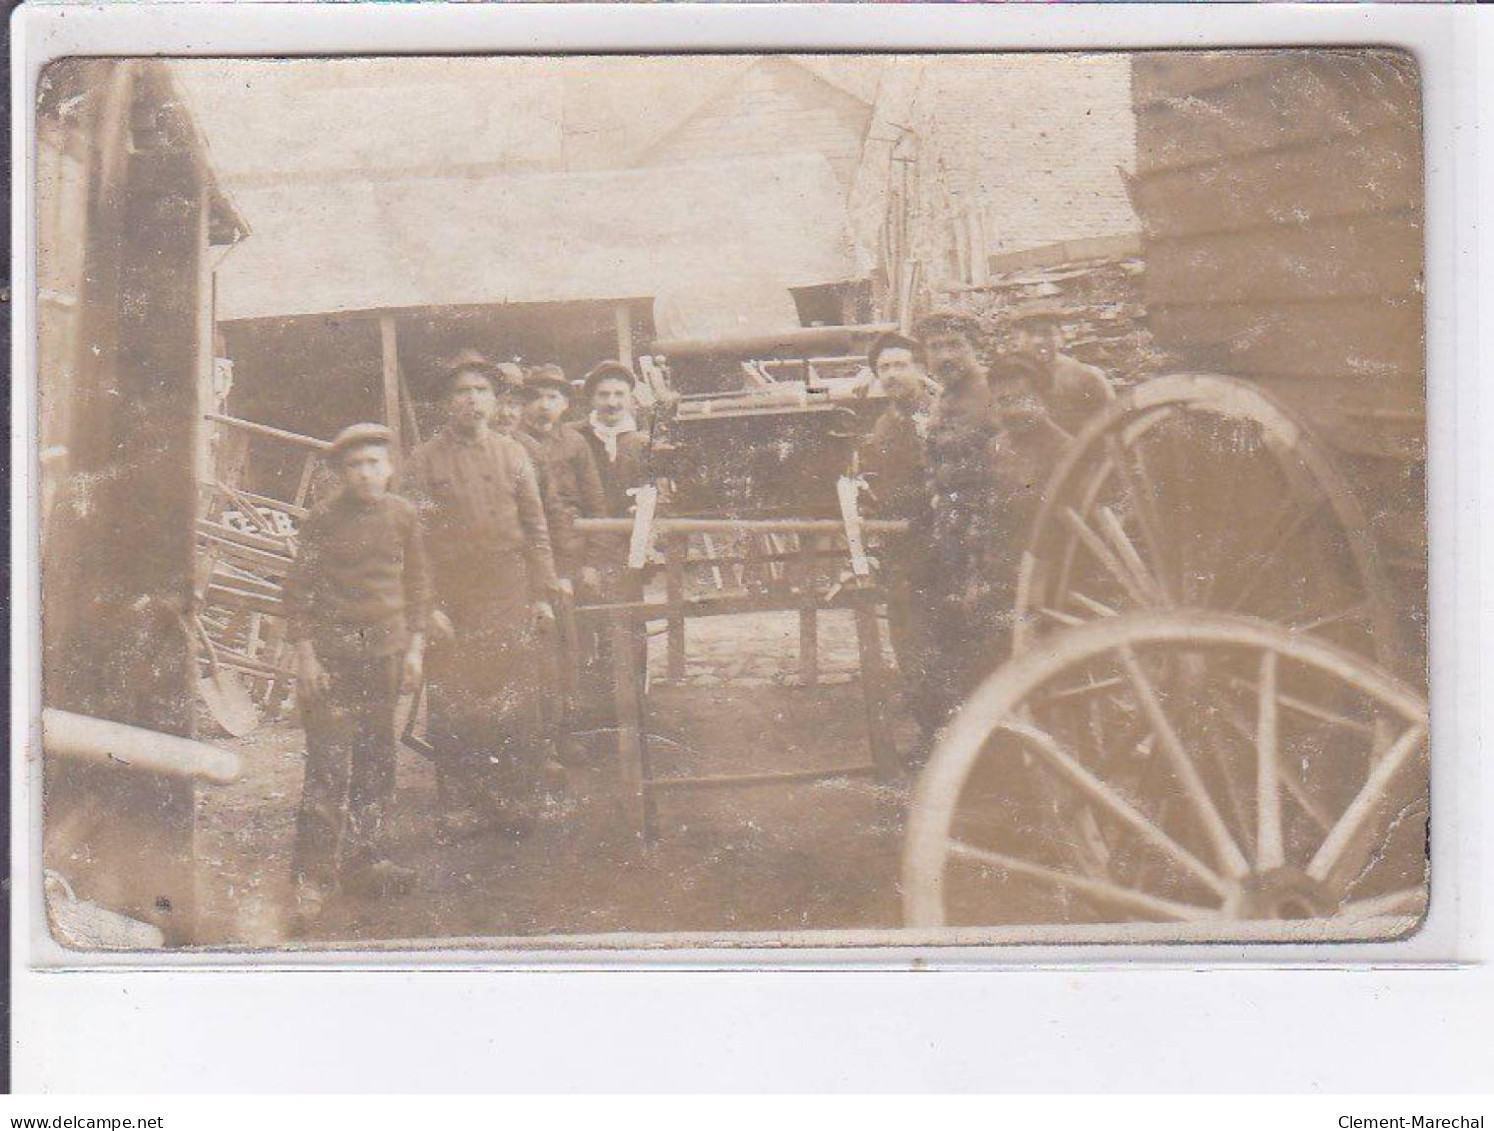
1105, 314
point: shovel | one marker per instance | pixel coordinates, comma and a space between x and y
226, 699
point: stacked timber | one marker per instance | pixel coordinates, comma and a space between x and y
1100, 302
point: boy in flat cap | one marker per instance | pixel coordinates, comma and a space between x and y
356, 603
481, 511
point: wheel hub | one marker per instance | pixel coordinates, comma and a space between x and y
1282, 893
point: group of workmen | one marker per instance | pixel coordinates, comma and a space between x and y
447, 572
962, 453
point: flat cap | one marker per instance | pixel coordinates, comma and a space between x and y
608, 371
548, 376
891, 341
946, 319
510, 377
359, 436
469, 359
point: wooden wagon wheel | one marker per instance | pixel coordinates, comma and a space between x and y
1198, 491
1216, 783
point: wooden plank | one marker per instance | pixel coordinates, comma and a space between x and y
239, 580
244, 600
740, 525
1307, 100
623, 316
1357, 256
676, 548
272, 433
809, 617
1379, 170
255, 561
259, 542
874, 690
308, 474
629, 704
1369, 338
389, 355
1358, 418
779, 777
265, 502
712, 606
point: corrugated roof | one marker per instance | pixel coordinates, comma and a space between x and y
486, 240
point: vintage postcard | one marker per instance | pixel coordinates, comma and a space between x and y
796, 500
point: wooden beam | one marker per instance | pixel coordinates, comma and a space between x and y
624, 316
874, 689
809, 616
741, 525
676, 551
273, 433
629, 704
389, 349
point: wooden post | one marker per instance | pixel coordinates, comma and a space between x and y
676, 553
624, 317
389, 347
874, 687
629, 704
809, 617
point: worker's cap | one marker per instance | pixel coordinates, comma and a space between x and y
608, 371
510, 378
891, 341
545, 377
946, 321
356, 436
470, 361
1039, 312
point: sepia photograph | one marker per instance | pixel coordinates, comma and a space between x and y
503, 503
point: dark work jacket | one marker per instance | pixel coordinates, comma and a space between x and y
892, 457
573, 481
617, 476
565, 543
360, 581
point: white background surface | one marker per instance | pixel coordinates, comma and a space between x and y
1125, 1028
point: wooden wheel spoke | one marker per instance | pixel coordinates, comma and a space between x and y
1369, 799
1097, 607
1105, 556
1409, 901
1269, 849
1079, 691
1102, 890
1358, 611
1253, 566
1121, 542
1290, 781
1108, 798
1145, 502
1311, 711
1066, 619
1230, 857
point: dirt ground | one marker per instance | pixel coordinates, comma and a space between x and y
778, 857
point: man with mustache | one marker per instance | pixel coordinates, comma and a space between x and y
489, 547
967, 610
